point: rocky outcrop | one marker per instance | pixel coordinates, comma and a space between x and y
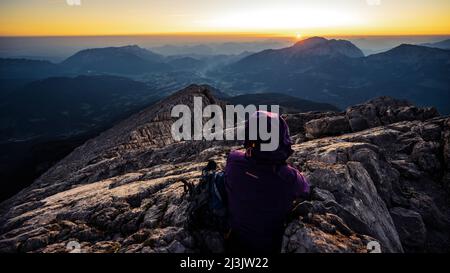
123, 191
385, 110
377, 112
328, 126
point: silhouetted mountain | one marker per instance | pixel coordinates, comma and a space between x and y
121, 61
28, 69
318, 46
202, 63
442, 44
313, 70
118, 60
302, 55
183, 50
411, 54
417, 73
228, 48
288, 104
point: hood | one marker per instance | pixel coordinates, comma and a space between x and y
284, 150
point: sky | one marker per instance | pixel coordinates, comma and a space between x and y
289, 18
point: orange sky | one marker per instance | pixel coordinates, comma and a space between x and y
260, 17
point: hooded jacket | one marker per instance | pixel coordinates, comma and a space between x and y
261, 189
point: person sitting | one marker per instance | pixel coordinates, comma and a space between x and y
261, 188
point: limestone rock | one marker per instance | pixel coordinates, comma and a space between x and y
385, 110
329, 126
122, 191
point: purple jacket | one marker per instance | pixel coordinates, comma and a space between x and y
261, 189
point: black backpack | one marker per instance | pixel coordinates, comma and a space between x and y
208, 208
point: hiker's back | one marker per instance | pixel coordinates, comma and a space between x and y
261, 187
259, 198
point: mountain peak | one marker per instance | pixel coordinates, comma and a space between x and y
132, 46
313, 41
319, 46
305, 54
130, 59
412, 53
116, 48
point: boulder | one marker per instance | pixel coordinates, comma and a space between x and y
385, 110
328, 126
362, 117
325, 234
297, 122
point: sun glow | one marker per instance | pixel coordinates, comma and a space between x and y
281, 17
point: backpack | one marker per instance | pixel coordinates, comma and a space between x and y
207, 208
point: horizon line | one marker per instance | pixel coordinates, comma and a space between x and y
218, 34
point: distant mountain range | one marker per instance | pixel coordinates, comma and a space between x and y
119, 60
299, 56
316, 69
127, 60
228, 48
124, 61
336, 72
28, 69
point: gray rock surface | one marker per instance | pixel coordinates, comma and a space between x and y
122, 191
328, 126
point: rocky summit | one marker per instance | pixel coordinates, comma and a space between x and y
380, 172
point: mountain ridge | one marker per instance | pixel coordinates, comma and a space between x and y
121, 60
27, 69
310, 50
